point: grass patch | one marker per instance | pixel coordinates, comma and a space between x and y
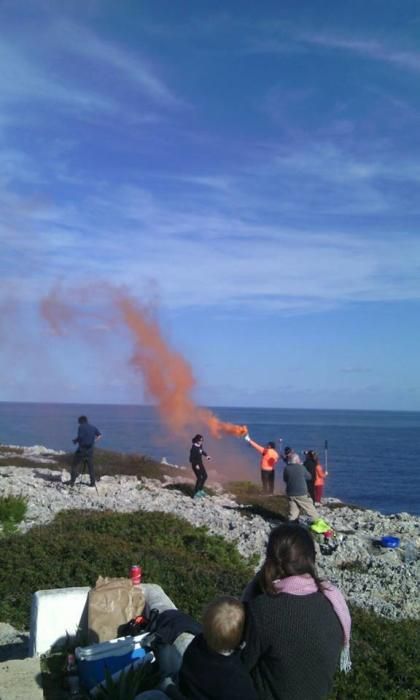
106, 463
249, 494
385, 660
109, 463
77, 546
12, 511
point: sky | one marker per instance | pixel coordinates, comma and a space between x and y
251, 170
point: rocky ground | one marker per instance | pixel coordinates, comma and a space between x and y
370, 576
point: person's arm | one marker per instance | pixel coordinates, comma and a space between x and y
98, 434
76, 440
286, 475
256, 446
205, 454
307, 475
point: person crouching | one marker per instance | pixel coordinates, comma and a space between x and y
296, 477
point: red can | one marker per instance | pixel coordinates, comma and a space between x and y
135, 574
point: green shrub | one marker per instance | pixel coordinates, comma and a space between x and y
76, 547
249, 494
12, 509
115, 463
385, 660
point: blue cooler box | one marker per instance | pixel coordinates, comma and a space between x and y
114, 656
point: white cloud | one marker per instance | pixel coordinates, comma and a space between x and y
367, 48
25, 81
207, 260
80, 41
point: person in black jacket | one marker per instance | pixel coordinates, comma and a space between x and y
297, 626
311, 460
196, 458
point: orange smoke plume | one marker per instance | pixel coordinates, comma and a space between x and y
168, 376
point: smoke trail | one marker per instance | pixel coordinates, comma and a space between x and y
167, 375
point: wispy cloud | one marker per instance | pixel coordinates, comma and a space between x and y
24, 81
369, 48
202, 258
122, 62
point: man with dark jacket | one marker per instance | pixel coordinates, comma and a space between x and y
86, 438
296, 477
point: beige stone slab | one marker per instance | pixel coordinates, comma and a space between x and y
21, 680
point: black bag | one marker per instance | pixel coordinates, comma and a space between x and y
139, 625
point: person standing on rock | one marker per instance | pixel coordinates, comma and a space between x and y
87, 435
196, 459
269, 459
296, 477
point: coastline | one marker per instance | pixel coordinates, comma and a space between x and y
370, 577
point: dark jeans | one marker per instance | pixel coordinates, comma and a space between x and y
83, 454
311, 489
267, 479
201, 476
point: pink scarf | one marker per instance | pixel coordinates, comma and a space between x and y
305, 585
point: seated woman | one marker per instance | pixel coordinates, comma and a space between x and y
297, 625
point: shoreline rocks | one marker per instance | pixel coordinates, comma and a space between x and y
369, 576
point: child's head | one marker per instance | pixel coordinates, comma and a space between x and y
223, 624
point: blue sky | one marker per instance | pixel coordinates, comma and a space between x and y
252, 167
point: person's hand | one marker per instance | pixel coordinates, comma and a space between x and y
326, 473
208, 457
247, 438
74, 441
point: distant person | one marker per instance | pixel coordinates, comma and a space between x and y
297, 626
320, 475
269, 459
310, 462
287, 454
296, 477
87, 435
196, 459
211, 667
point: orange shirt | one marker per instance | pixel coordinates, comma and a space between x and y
269, 457
320, 475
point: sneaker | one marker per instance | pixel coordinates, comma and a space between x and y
202, 494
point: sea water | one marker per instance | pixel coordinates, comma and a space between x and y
372, 455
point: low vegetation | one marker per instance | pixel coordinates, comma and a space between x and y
191, 566
77, 547
12, 512
248, 495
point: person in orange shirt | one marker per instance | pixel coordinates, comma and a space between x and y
320, 474
269, 459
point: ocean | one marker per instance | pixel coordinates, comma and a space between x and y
372, 455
